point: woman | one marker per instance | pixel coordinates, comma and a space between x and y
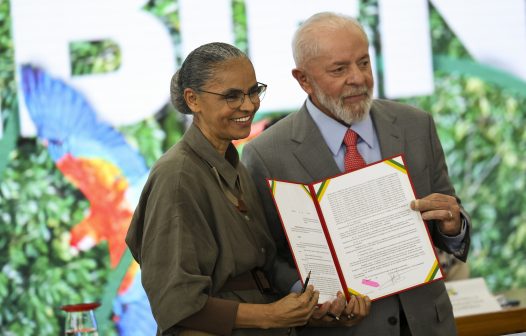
199, 232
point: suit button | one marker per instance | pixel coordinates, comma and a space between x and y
263, 250
392, 320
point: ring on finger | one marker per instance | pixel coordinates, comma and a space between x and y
450, 214
337, 318
350, 316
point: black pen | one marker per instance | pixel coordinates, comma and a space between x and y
305, 284
303, 289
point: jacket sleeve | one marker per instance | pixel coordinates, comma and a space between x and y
172, 239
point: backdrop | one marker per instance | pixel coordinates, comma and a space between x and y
84, 111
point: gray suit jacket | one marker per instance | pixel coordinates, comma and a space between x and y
293, 149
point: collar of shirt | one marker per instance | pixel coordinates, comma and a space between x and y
226, 166
333, 132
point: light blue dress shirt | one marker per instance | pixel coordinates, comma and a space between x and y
333, 133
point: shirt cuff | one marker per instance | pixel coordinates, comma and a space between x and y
296, 288
455, 243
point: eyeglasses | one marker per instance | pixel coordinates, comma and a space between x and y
236, 98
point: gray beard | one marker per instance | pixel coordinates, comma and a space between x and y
347, 114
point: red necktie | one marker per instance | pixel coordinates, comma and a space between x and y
352, 160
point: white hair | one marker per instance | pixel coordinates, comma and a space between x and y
305, 47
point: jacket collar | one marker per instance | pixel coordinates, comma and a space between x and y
226, 166
314, 154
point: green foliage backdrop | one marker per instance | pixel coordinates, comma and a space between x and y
481, 128
38, 207
479, 113
39, 272
480, 124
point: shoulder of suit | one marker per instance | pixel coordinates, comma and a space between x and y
280, 130
397, 109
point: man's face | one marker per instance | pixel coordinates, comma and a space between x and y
339, 79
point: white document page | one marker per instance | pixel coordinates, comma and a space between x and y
471, 297
382, 245
304, 233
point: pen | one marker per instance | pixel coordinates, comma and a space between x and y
303, 289
306, 283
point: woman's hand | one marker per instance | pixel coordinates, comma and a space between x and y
294, 309
291, 311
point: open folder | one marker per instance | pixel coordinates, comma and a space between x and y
356, 232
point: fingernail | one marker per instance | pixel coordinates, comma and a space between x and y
413, 205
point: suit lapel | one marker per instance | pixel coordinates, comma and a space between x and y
389, 134
316, 158
312, 152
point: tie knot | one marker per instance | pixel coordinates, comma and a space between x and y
350, 138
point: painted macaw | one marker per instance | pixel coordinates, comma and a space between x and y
98, 160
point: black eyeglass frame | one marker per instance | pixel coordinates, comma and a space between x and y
238, 102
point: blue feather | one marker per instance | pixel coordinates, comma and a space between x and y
133, 309
67, 121
69, 125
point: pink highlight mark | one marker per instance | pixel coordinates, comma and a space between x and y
370, 283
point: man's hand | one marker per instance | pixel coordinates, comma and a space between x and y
357, 308
338, 313
329, 310
440, 207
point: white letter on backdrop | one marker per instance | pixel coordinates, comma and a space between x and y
406, 48
43, 30
204, 21
494, 32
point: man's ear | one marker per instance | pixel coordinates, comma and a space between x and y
191, 99
303, 80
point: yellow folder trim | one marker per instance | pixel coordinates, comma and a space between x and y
396, 166
306, 190
273, 187
353, 292
322, 189
432, 272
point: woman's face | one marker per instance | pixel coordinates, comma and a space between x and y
219, 122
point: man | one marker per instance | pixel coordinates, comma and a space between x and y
333, 68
